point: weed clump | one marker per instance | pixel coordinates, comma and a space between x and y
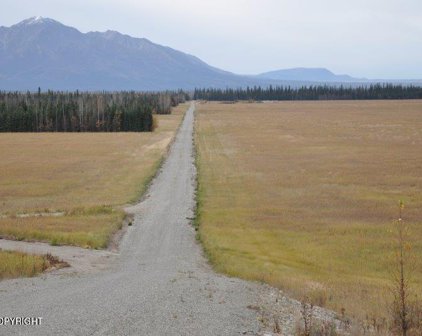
406, 310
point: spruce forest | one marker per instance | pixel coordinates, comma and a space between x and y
322, 92
84, 112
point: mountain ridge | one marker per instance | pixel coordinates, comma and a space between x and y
309, 74
43, 52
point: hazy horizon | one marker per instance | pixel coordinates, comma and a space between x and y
380, 40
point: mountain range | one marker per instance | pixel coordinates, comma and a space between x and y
42, 52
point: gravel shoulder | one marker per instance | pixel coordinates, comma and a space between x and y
157, 283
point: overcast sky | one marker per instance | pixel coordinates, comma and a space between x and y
363, 38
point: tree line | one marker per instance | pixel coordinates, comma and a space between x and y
84, 111
318, 92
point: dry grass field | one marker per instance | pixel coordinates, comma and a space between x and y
84, 178
303, 195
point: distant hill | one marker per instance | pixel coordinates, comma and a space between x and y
41, 52
308, 75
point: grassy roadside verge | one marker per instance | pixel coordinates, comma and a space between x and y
302, 195
15, 264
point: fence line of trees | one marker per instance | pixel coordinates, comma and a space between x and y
84, 112
322, 92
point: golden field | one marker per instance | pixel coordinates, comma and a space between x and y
83, 178
303, 195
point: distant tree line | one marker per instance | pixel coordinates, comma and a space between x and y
322, 92
164, 101
84, 112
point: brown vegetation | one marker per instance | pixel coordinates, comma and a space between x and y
301, 194
15, 264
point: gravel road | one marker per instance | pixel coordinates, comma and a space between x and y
159, 282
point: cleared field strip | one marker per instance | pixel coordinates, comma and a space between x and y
87, 178
303, 195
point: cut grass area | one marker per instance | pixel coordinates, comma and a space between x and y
15, 264
88, 176
303, 195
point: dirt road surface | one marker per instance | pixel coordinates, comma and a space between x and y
159, 282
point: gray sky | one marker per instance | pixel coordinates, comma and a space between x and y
363, 38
